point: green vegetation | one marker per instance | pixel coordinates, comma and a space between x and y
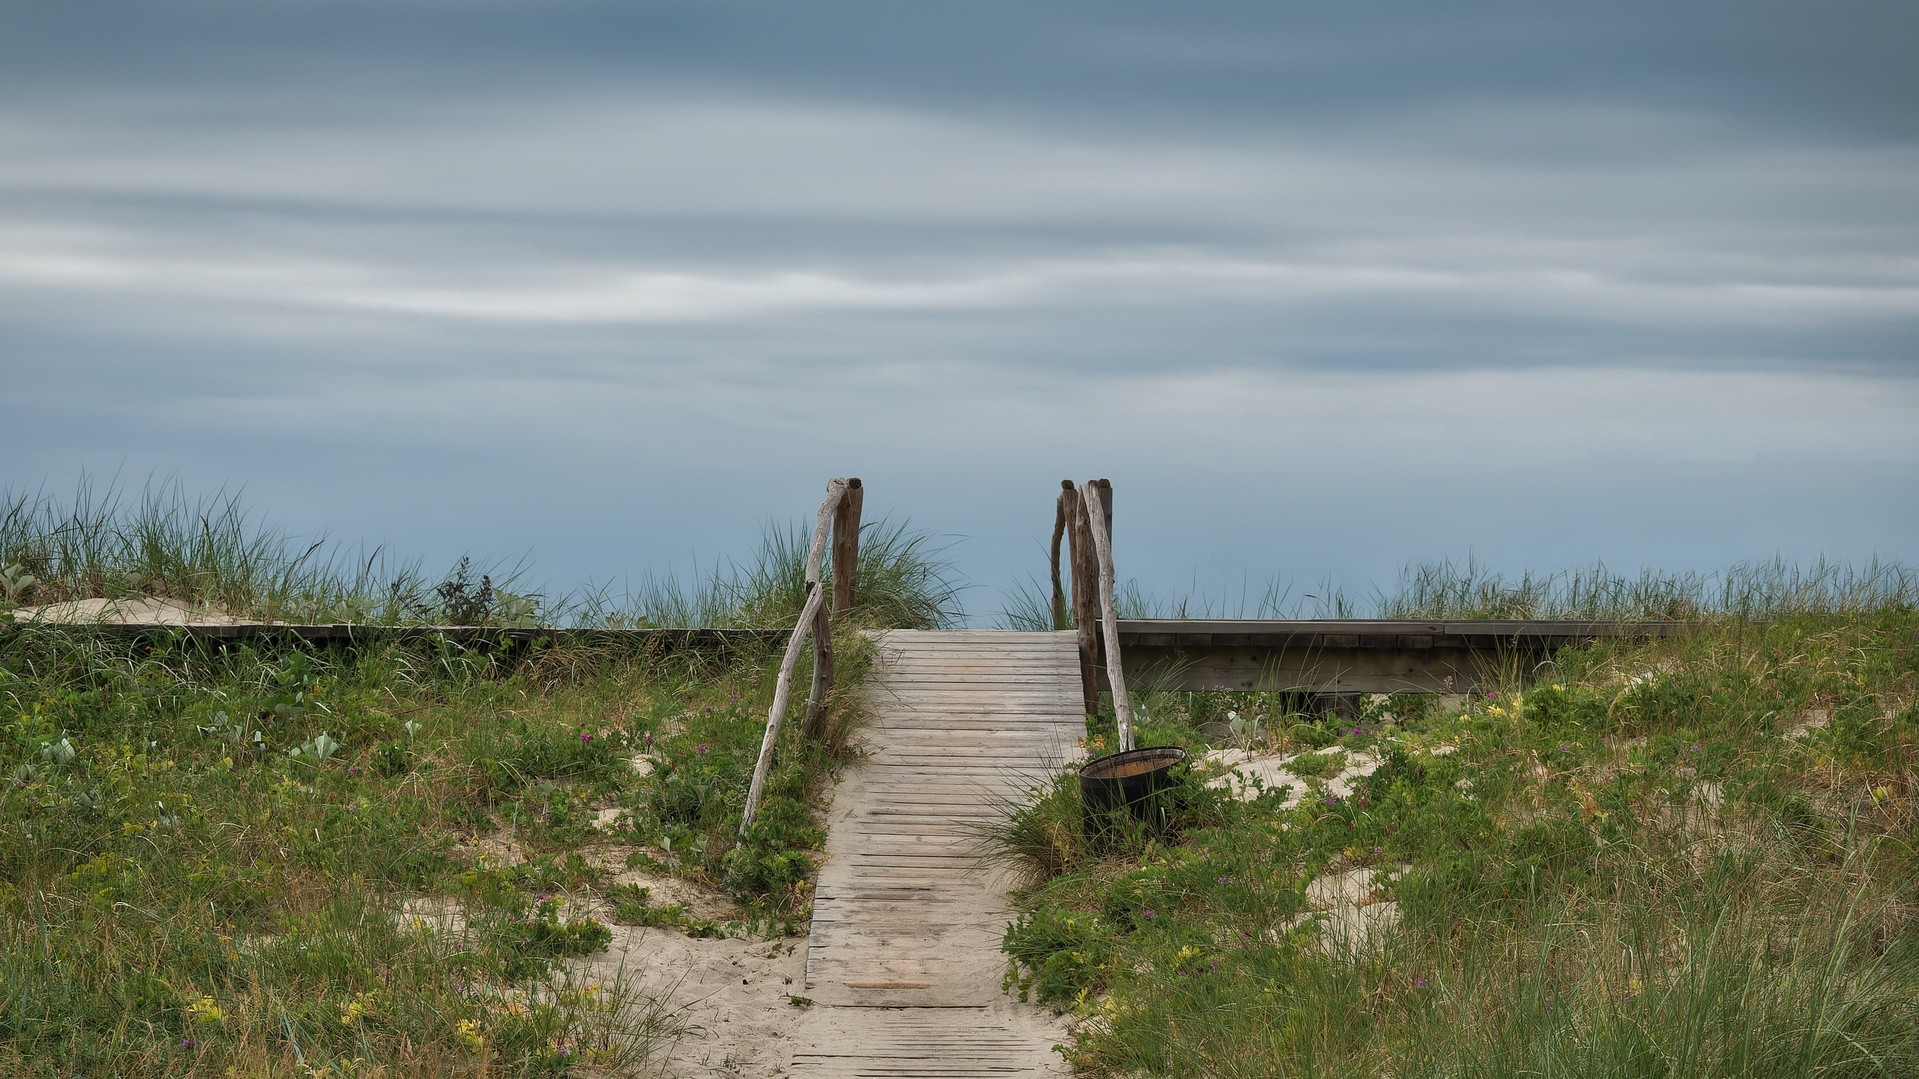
902, 582
1446, 589
265, 860
209, 551
1680, 857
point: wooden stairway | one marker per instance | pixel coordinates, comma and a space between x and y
904, 963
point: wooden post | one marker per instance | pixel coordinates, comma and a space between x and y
1085, 575
846, 548
814, 622
822, 617
1106, 512
1062, 513
1095, 496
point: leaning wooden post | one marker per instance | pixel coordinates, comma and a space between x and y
1062, 513
846, 548
1096, 496
782, 692
811, 623
1085, 567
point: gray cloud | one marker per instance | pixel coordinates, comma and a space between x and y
458, 269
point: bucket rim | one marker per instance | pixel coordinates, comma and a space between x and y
1171, 755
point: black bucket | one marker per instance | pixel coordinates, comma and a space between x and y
1138, 782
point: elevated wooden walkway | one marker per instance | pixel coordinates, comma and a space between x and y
904, 963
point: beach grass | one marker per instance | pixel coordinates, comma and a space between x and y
1675, 857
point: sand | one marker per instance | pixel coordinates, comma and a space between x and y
131, 611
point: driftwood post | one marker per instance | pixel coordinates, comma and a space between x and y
846, 553
1062, 513
813, 622
1097, 496
1085, 580
846, 548
822, 617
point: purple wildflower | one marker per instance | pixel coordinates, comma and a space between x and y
1147, 913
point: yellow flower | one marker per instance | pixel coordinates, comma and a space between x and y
469, 1034
205, 1010
359, 1008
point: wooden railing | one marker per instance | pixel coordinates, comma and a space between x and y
1083, 517
839, 519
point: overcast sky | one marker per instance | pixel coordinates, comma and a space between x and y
1324, 289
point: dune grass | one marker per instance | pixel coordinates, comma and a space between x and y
1447, 588
212, 551
904, 582
1677, 857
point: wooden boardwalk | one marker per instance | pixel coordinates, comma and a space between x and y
904, 964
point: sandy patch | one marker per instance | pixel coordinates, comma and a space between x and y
1348, 910
1245, 775
735, 997
132, 611
1805, 723
1345, 905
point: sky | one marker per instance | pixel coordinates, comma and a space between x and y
1325, 290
